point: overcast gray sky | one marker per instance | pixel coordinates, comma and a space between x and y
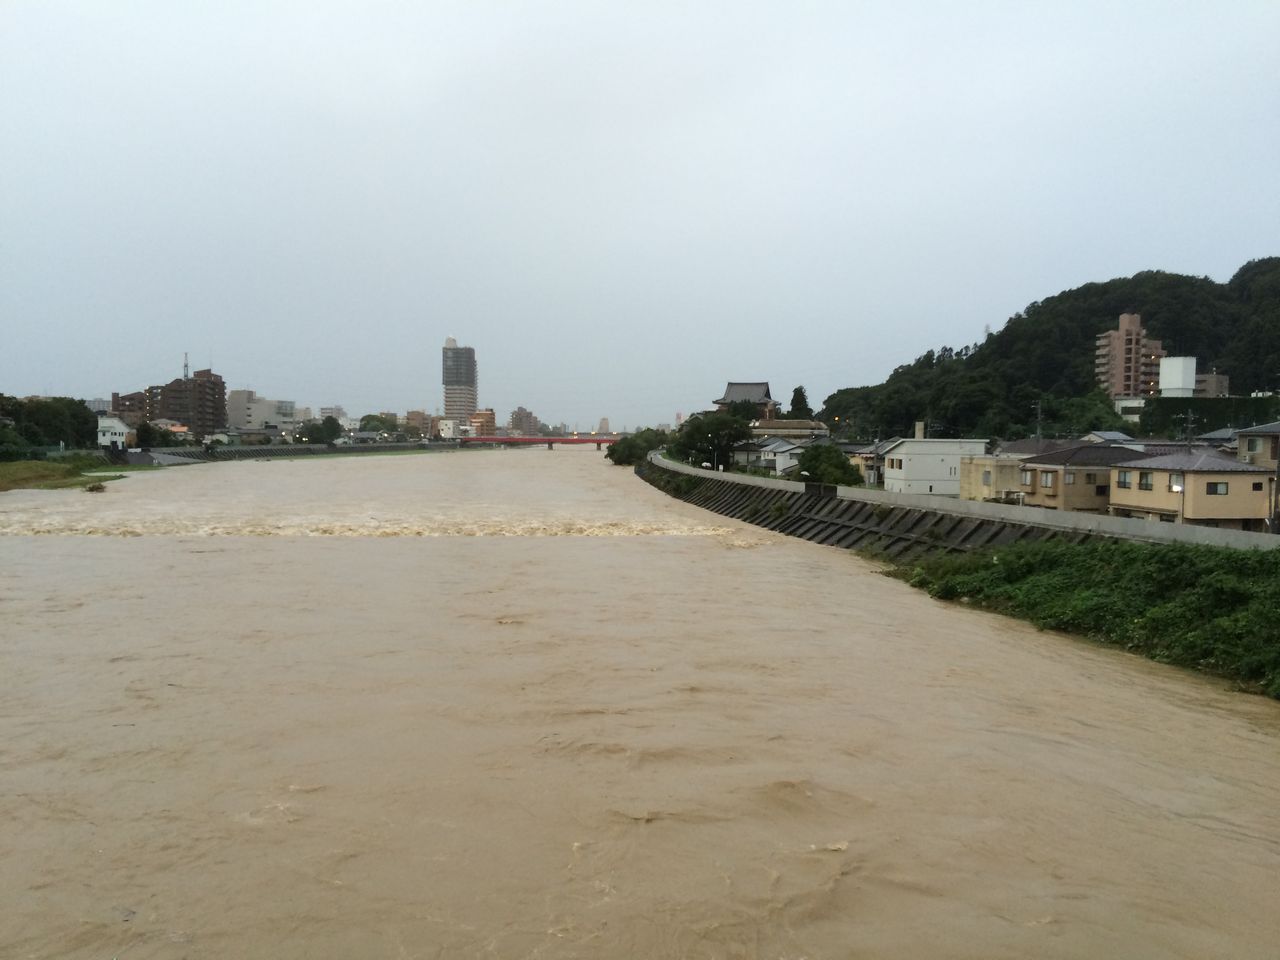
619, 205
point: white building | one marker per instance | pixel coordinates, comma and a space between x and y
928, 466
113, 432
1177, 376
248, 411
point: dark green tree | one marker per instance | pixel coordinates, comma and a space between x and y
800, 409
826, 463
744, 410
150, 435
710, 438
377, 423
633, 449
320, 431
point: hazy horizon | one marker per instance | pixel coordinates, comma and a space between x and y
619, 208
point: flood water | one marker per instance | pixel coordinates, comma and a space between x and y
520, 704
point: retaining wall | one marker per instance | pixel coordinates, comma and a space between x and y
902, 525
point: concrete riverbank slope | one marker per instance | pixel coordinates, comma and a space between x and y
901, 526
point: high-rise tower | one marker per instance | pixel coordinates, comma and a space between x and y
460, 397
1126, 361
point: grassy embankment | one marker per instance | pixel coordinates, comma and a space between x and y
57, 474
1208, 608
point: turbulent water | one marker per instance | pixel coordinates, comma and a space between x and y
519, 704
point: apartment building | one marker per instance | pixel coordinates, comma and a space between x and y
1197, 487
1259, 445
1077, 478
248, 411
927, 466
1126, 361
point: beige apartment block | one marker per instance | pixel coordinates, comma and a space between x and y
1126, 361
484, 423
1077, 478
996, 476
1199, 488
1260, 445
990, 478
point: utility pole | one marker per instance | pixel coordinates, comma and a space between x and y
1190, 419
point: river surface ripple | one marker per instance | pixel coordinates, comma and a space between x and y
520, 704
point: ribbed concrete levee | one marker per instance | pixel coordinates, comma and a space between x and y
902, 527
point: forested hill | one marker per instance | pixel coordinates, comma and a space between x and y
1046, 354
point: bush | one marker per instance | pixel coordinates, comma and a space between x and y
1210, 608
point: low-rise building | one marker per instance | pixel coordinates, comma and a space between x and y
1077, 478
995, 476
777, 455
927, 465
114, 433
791, 429
1199, 487
1259, 445
869, 460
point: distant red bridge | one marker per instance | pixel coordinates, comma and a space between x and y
600, 440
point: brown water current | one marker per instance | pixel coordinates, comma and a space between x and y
520, 704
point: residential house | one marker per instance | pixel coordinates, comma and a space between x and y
1199, 487
1259, 445
1077, 478
778, 455
114, 433
928, 465
1107, 436
996, 476
870, 460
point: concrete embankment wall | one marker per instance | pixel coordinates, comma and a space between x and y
903, 525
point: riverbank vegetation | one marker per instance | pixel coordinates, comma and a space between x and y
32, 425
52, 474
628, 451
1209, 608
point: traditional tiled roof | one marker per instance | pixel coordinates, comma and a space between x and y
753, 392
1086, 455
1109, 436
1197, 461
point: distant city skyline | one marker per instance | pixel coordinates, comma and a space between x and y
620, 208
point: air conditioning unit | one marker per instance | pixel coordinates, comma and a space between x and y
1247, 458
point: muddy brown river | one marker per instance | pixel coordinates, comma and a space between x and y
519, 704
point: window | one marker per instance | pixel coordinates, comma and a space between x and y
1216, 489
1176, 483
986, 478
1069, 478
1122, 479
1090, 478
1257, 485
1028, 478
1144, 480
1253, 445
1046, 479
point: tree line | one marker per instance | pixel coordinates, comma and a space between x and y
1038, 371
27, 426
